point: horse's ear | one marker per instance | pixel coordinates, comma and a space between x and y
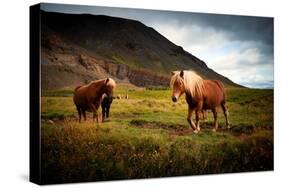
107, 80
173, 73
181, 73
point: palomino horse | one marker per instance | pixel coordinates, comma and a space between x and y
88, 97
200, 95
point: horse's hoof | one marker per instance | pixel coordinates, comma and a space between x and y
228, 127
198, 129
214, 130
195, 131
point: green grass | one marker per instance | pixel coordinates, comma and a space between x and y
120, 60
148, 136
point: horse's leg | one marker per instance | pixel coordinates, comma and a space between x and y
103, 111
198, 113
225, 112
197, 116
97, 117
79, 113
107, 112
215, 113
204, 115
95, 112
84, 114
189, 119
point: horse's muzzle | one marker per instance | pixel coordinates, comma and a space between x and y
174, 99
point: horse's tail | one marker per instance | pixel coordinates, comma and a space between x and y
77, 88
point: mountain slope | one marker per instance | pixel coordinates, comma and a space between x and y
77, 48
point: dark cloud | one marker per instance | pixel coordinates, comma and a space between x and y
236, 27
241, 28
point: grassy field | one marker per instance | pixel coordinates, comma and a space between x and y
148, 136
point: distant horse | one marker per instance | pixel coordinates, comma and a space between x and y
88, 97
127, 96
105, 106
200, 95
118, 96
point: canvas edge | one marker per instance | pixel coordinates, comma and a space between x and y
34, 95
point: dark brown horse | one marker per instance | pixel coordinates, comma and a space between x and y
105, 106
88, 97
200, 95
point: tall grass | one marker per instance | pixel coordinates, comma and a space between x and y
148, 136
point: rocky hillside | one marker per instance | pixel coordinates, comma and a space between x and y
77, 48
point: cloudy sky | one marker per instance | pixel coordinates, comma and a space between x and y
238, 47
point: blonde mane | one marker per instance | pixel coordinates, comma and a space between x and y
193, 83
111, 82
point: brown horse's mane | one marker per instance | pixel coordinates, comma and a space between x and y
96, 82
77, 88
193, 83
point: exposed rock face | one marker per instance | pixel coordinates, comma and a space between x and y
78, 48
